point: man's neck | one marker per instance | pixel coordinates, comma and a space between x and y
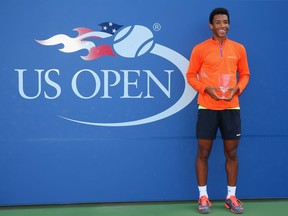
219, 39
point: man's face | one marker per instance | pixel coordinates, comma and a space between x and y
220, 26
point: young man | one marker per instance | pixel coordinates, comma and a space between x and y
212, 72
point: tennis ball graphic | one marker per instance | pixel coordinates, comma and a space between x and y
133, 41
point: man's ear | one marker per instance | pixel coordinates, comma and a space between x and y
210, 26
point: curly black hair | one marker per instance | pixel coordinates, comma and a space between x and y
217, 11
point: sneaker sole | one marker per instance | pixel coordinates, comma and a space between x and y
207, 211
228, 207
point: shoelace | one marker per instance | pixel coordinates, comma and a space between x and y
204, 201
235, 201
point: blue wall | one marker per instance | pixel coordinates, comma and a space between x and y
45, 158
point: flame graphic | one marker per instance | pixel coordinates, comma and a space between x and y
80, 42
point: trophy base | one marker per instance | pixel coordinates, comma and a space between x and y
222, 95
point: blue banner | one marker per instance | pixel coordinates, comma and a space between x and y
95, 106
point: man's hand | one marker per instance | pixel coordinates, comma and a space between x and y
232, 91
212, 92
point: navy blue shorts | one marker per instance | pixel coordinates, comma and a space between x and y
228, 121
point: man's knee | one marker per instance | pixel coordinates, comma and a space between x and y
231, 154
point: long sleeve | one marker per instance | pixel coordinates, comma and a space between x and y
194, 67
243, 70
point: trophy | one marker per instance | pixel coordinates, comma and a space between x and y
224, 83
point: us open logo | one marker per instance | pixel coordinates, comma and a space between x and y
129, 43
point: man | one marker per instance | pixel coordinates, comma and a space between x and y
213, 67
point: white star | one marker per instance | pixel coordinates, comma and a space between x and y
110, 24
113, 30
105, 28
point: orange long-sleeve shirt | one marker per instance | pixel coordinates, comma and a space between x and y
208, 60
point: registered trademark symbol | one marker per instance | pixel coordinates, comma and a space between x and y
156, 26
